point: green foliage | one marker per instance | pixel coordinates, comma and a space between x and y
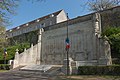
7, 7
4, 67
11, 50
113, 35
30, 37
111, 31
99, 70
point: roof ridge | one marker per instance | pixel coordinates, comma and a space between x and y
42, 18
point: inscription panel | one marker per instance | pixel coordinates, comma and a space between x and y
80, 36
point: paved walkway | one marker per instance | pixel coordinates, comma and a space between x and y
24, 75
28, 75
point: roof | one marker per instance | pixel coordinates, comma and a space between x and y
80, 18
40, 19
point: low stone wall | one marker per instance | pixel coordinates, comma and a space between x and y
28, 57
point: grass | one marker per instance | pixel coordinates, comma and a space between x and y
3, 70
88, 77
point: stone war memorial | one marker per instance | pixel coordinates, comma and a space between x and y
87, 46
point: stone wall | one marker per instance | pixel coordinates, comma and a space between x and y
87, 47
86, 44
30, 37
36, 24
110, 17
30, 56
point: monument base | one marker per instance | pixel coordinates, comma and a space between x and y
41, 68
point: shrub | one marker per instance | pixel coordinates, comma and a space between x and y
4, 67
113, 34
99, 70
11, 51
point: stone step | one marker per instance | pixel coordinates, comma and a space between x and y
17, 68
55, 70
38, 68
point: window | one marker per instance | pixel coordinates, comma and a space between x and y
52, 15
50, 22
10, 30
43, 25
18, 27
38, 20
38, 26
27, 24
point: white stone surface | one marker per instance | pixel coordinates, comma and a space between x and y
86, 45
30, 56
42, 68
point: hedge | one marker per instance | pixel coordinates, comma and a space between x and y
2, 61
99, 70
4, 67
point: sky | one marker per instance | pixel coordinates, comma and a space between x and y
28, 11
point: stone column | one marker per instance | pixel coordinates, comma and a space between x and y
64, 67
16, 60
105, 57
38, 59
24, 56
31, 55
97, 24
97, 34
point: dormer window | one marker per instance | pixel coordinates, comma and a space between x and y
18, 27
10, 30
38, 20
50, 22
43, 24
27, 24
52, 15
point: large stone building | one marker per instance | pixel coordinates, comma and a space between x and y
20, 34
36, 24
87, 47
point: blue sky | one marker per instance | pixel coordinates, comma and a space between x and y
28, 11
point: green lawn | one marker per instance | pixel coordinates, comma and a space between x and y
4, 70
88, 77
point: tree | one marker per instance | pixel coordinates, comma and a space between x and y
113, 35
7, 7
98, 5
2, 37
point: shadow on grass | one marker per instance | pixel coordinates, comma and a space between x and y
88, 77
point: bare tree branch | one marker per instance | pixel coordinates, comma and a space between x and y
97, 5
7, 7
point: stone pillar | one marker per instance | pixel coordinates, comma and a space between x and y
96, 35
31, 55
105, 57
72, 67
24, 57
97, 24
16, 60
38, 59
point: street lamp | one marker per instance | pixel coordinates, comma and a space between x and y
67, 48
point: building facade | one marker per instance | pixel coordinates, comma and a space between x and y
87, 46
48, 20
